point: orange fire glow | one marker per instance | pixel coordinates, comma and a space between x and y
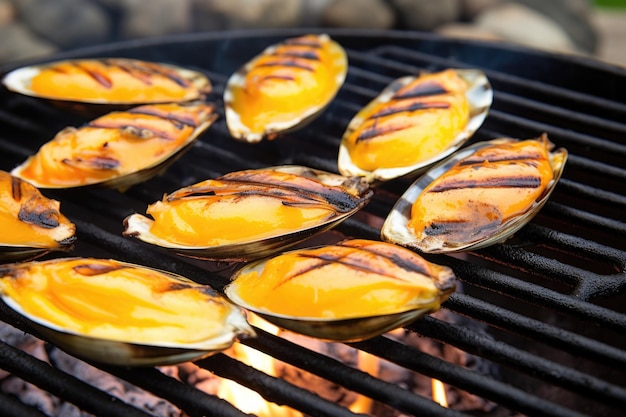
244, 398
251, 402
439, 393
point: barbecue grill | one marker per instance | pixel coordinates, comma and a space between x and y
544, 312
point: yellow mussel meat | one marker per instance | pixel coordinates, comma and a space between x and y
414, 122
284, 87
352, 290
109, 81
118, 149
120, 313
480, 196
32, 223
249, 214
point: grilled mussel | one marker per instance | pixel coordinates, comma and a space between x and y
284, 87
120, 313
480, 196
32, 223
249, 214
118, 149
413, 123
108, 83
353, 290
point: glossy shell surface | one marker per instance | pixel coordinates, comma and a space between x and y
489, 190
284, 87
413, 123
352, 290
32, 224
119, 313
249, 214
118, 149
108, 81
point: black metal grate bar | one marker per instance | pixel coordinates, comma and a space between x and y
515, 358
64, 385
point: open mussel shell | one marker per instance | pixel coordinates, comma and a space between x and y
284, 87
250, 214
353, 290
483, 222
393, 124
119, 313
119, 149
100, 85
33, 225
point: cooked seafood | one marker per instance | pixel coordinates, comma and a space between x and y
352, 290
118, 149
251, 213
119, 313
109, 81
413, 123
479, 197
284, 87
32, 224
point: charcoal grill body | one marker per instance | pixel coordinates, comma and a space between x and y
546, 308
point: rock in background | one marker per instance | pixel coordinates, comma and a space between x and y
35, 28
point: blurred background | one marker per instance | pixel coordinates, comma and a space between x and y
36, 28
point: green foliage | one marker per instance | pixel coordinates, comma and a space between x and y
610, 3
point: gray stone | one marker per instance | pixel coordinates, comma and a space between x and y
426, 14
373, 14
244, 14
156, 18
7, 12
472, 8
520, 24
467, 31
20, 43
311, 14
574, 17
66, 23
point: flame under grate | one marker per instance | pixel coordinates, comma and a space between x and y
547, 306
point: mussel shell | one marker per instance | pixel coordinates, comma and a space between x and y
137, 225
479, 95
19, 81
239, 130
129, 353
37, 212
206, 116
396, 230
350, 329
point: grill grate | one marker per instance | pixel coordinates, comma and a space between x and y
546, 307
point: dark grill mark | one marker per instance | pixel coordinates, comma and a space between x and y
412, 107
90, 270
472, 159
293, 196
499, 182
139, 132
278, 77
287, 63
101, 79
375, 131
16, 188
310, 55
340, 200
38, 216
303, 42
397, 260
178, 120
145, 73
424, 89
98, 162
